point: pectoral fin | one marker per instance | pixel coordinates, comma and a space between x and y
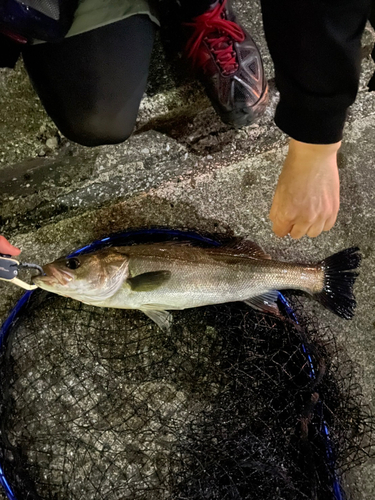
147, 282
162, 318
265, 303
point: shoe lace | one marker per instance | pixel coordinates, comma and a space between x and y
219, 33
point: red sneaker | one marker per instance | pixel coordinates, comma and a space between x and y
229, 65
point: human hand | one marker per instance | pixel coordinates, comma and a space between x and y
7, 248
307, 196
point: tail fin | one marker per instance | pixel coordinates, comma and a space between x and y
337, 294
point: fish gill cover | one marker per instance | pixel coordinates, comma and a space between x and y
229, 404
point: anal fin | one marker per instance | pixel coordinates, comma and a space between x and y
266, 303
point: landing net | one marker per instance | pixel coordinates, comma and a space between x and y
230, 404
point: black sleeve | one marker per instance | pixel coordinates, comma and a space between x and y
316, 49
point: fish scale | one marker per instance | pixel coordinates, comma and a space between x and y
213, 278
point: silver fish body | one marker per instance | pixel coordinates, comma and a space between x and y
198, 277
159, 277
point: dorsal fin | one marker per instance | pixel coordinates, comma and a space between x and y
247, 248
239, 248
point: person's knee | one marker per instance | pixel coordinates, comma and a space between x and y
97, 129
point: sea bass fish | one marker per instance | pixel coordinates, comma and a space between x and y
159, 277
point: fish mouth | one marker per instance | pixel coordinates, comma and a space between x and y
53, 277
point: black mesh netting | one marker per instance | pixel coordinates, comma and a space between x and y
102, 404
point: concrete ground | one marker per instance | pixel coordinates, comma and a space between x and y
183, 168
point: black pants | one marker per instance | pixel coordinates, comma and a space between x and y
91, 84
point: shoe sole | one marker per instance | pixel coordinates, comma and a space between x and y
246, 116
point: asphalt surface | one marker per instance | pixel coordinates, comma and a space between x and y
183, 168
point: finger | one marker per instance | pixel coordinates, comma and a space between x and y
281, 229
330, 223
282, 215
299, 230
315, 229
7, 248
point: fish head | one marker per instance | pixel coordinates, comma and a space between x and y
91, 278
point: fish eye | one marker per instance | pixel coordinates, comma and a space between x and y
72, 263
